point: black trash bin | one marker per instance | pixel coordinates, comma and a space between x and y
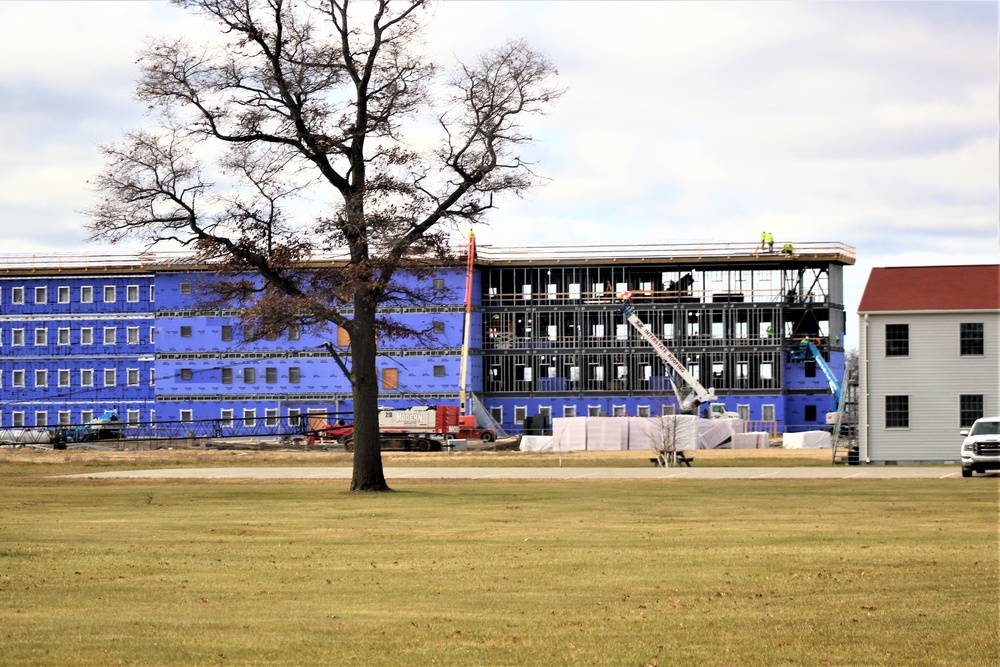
853, 456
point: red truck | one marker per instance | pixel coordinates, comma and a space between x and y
421, 428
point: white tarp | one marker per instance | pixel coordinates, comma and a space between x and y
754, 440
806, 440
536, 443
606, 433
569, 434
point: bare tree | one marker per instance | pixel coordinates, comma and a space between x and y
318, 101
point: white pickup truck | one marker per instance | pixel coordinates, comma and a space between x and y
981, 447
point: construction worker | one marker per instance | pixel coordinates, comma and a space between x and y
770, 242
787, 249
763, 240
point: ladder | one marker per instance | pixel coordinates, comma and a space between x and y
845, 425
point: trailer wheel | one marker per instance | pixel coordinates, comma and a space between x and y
488, 436
349, 445
423, 445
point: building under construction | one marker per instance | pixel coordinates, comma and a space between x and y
83, 335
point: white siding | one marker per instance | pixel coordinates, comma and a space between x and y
933, 376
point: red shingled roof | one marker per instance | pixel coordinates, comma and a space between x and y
973, 287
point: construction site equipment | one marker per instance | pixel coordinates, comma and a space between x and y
843, 422
698, 394
422, 428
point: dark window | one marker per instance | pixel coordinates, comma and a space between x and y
227, 332
810, 413
185, 288
270, 375
186, 374
897, 340
970, 408
439, 327
810, 369
897, 411
439, 371
227, 376
972, 339
439, 284
293, 332
185, 332
249, 375
248, 332
294, 374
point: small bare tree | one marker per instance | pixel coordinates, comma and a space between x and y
320, 101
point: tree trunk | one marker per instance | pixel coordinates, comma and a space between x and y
368, 474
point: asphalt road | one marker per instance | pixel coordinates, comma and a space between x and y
680, 473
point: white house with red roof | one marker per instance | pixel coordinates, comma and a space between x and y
929, 360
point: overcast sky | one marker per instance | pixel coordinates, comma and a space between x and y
872, 124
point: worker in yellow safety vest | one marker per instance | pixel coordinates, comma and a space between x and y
770, 242
763, 240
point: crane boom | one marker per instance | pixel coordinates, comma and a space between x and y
699, 394
808, 350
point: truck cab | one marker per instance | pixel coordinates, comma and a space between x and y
981, 447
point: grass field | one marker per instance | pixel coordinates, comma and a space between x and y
532, 573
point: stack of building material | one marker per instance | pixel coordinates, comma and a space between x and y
569, 434
806, 440
606, 433
715, 432
754, 440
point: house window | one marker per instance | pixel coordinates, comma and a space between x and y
86, 294
897, 340
109, 377
972, 339
970, 408
63, 336
152, 377
438, 284
86, 416
293, 332
185, 288
41, 378
643, 411
132, 294
226, 418
810, 413
63, 377
187, 374
293, 417
520, 413
41, 337
618, 411
41, 295
226, 332
86, 377
110, 334
248, 332
17, 378
133, 377
390, 378
767, 412
152, 335
185, 331
152, 293
593, 411
249, 375
897, 411
62, 295
86, 336
65, 418
132, 335
41, 419
109, 294
250, 417
227, 376
132, 417
271, 417
17, 419
439, 371
497, 413
270, 375
187, 415
17, 336
17, 298
569, 411
438, 327
294, 374
810, 368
